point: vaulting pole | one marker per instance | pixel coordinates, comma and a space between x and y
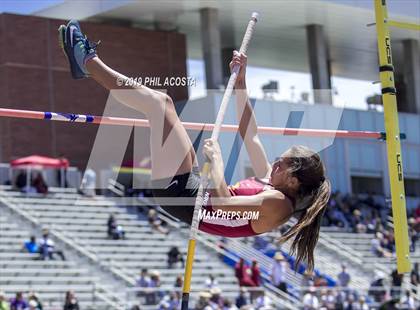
393, 143
206, 167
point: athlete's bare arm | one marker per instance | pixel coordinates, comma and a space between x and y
211, 150
273, 207
247, 121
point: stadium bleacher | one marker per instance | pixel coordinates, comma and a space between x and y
103, 272
82, 222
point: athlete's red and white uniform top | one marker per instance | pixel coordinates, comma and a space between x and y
233, 227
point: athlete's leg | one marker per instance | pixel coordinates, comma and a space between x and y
171, 148
173, 156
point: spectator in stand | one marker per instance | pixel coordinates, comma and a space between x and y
242, 273
408, 302
358, 224
414, 278
396, 281
156, 222
388, 242
361, 304
262, 301
47, 247
175, 256
260, 243
343, 277
337, 212
320, 281
377, 288
239, 267
142, 281
71, 302
179, 282
376, 246
88, 187
310, 300
112, 226
115, 231
170, 302
61, 174
350, 303
242, 299
153, 297
308, 279
20, 182
414, 235
216, 300
18, 303
203, 302
228, 305
417, 212
31, 246
33, 305
279, 272
255, 273
39, 184
329, 300
34, 299
211, 282
4, 304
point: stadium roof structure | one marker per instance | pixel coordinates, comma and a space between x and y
280, 41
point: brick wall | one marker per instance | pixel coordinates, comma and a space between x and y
34, 75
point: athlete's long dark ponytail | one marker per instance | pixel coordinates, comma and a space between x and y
313, 195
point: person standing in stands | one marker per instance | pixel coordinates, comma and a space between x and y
255, 273
39, 184
310, 301
343, 277
18, 303
242, 299
153, 297
4, 304
35, 301
71, 302
88, 186
279, 272
396, 280
142, 282
243, 274
414, 278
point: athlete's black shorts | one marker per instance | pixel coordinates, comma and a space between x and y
180, 186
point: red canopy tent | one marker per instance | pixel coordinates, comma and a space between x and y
40, 162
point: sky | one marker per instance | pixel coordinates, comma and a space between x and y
397, 7
25, 6
291, 84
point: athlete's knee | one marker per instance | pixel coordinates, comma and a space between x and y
165, 102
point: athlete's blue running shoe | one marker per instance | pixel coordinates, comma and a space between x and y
77, 48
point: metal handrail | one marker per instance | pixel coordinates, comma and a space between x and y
286, 300
58, 235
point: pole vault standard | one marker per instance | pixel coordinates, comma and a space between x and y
121, 121
393, 142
